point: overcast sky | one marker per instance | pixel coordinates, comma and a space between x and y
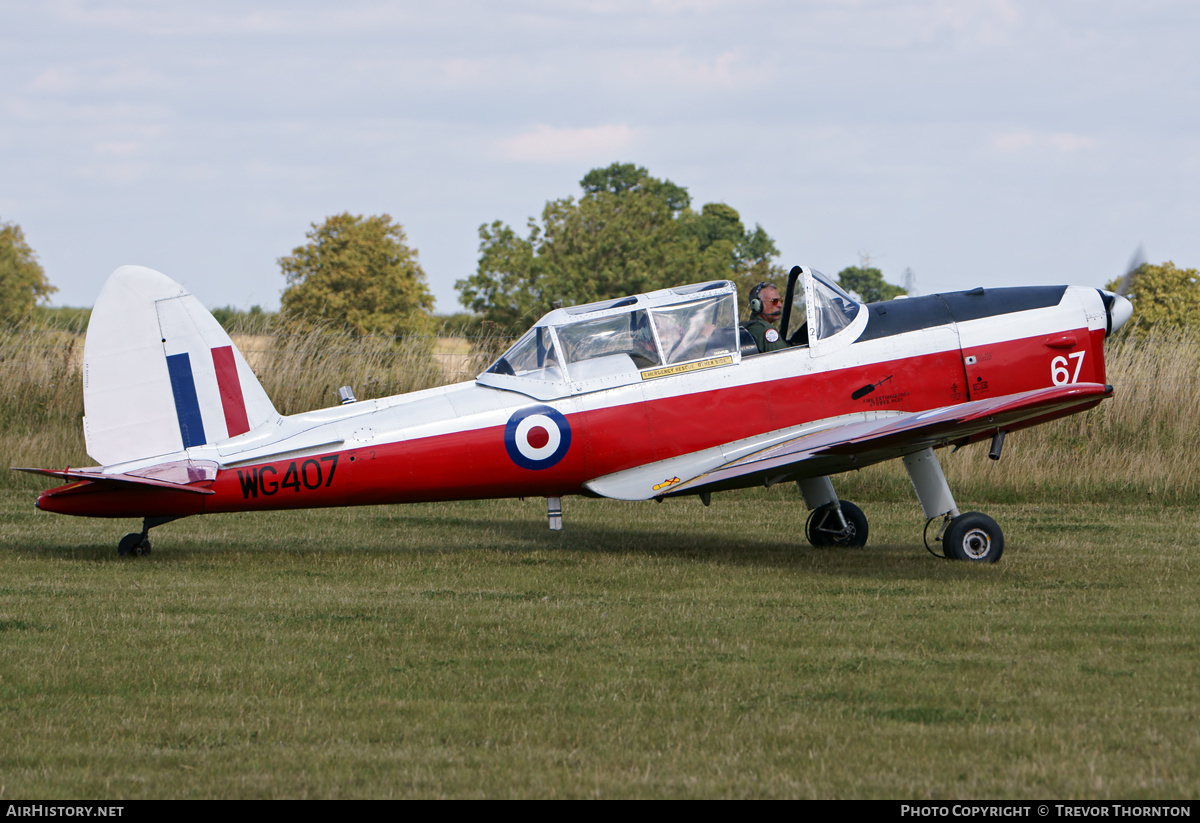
977, 143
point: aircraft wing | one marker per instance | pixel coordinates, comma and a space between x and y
833, 446
183, 475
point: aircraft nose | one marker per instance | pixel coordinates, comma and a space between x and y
1119, 309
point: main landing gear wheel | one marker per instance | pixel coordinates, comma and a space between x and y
135, 545
974, 537
824, 527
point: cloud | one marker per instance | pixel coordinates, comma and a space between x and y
95, 76
546, 144
466, 72
675, 6
1020, 141
676, 70
226, 18
125, 148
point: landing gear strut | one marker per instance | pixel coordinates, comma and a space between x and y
832, 522
972, 536
137, 544
837, 524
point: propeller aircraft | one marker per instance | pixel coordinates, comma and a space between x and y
643, 397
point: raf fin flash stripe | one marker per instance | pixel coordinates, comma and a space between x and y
230, 388
187, 404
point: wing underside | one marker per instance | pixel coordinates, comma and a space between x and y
833, 446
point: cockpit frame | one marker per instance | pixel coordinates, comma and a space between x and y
675, 331
618, 342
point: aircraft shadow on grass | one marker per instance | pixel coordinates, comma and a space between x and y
526, 541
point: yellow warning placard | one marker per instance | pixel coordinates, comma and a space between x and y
684, 368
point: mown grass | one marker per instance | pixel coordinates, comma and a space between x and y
463, 650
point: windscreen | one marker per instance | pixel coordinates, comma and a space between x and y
832, 308
533, 355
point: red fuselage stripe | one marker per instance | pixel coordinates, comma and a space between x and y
474, 463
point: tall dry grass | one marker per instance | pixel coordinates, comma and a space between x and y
41, 409
42, 404
302, 368
1140, 444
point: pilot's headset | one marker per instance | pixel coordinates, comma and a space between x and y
756, 305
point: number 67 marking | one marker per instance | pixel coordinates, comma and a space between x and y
1059, 373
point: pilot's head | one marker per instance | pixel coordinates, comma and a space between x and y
766, 302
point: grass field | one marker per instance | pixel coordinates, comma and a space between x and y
463, 650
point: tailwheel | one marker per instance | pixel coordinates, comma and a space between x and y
826, 528
973, 536
135, 545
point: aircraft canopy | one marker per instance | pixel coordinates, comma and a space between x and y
612, 343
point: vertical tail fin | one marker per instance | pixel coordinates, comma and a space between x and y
160, 374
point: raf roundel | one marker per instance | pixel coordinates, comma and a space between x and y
537, 437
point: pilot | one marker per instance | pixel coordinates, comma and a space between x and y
766, 307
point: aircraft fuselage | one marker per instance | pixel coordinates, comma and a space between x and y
471, 440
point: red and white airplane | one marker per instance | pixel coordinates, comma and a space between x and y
650, 396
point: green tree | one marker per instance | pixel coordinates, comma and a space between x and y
254, 321
505, 288
868, 283
628, 233
22, 281
622, 177
1163, 295
357, 272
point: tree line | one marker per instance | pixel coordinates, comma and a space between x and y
627, 233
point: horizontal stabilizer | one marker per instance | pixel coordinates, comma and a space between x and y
182, 475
